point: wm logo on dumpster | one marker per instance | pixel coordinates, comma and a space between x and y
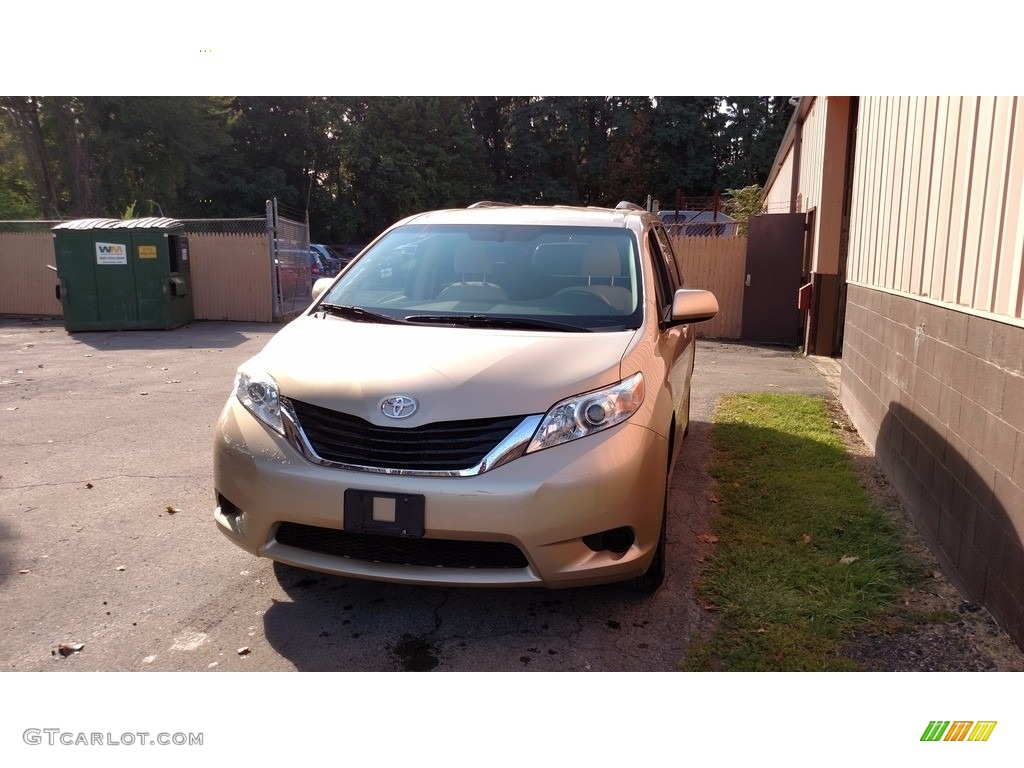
958, 730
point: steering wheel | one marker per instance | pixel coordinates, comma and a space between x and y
593, 298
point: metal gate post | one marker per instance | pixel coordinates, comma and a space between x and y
275, 288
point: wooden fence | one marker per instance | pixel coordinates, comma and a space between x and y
27, 287
717, 264
231, 279
230, 276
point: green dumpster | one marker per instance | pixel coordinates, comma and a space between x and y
123, 274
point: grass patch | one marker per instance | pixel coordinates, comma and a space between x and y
802, 556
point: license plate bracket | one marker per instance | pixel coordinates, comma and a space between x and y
384, 514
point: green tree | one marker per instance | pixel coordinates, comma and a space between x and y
685, 130
273, 153
23, 114
633, 158
491, 118
402, 155
17, 197
98, 156
743, 203
750, 137
357, 164
156, 151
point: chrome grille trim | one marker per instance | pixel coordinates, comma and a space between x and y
511, 447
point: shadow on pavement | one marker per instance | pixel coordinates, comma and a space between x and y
334, 624
198, 335
8, 561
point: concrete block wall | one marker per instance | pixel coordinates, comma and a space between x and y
939, 393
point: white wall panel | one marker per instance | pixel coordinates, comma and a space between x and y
937, 196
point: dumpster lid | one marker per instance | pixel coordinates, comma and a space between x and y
146, 223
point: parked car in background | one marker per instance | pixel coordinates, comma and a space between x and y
329, 261
491, 396
699, 223
319, 266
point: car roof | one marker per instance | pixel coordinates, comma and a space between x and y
492, 213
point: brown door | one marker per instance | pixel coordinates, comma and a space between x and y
775, 252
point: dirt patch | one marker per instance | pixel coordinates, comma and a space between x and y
935, 629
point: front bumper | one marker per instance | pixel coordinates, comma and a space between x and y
542, 503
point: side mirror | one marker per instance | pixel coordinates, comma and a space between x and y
693, 306
321, 285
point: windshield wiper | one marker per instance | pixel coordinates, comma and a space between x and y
357, 314
487, 321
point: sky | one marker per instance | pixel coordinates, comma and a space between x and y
533, 47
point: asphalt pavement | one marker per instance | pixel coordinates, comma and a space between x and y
107, 539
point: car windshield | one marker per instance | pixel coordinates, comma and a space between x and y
553, 277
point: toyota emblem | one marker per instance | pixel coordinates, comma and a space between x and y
398, 406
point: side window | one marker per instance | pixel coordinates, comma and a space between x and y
663, 275
666, 247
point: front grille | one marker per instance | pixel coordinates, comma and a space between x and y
443, 446
446, 553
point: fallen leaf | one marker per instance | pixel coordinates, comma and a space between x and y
172, 510
244, 650
707, 538
120, 568
66, 649
88, 485
847, 559
806, 539
713, 498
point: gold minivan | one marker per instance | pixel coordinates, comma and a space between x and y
489, 396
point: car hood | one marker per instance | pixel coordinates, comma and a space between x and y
453, 373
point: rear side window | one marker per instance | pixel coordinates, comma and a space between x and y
666, 279
670, 257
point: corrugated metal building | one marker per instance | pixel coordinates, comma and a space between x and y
916, 241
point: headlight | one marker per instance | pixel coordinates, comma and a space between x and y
259, 393
588, 413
